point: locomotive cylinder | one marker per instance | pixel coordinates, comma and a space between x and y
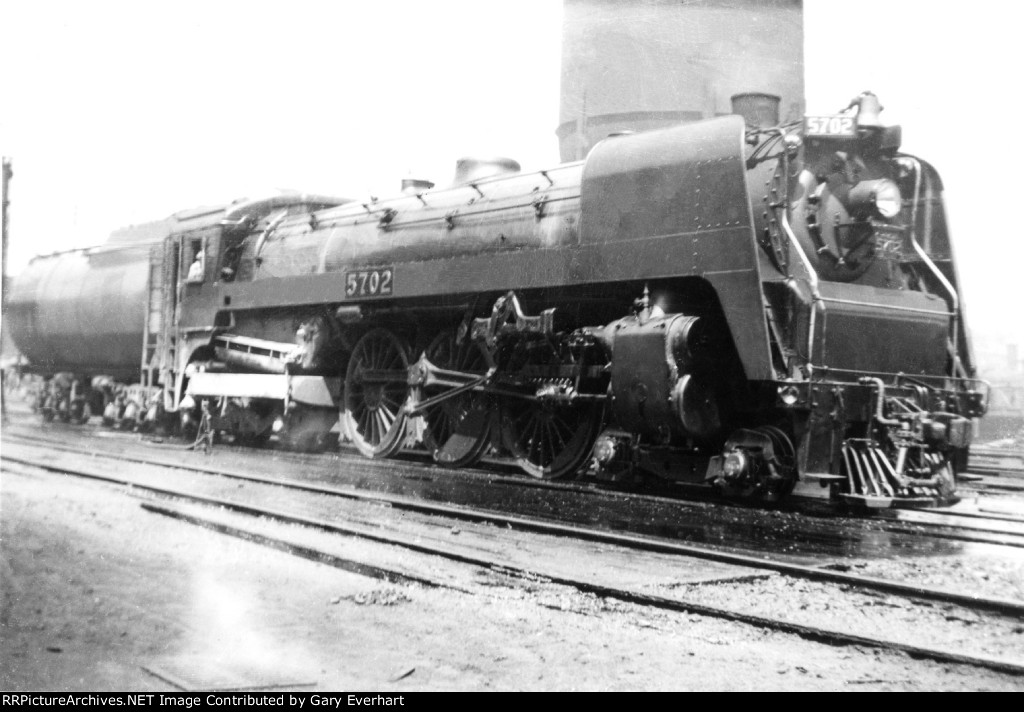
655, 389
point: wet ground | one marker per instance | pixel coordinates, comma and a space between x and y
813, 535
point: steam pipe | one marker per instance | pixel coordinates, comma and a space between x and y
261, 240
879, 414
812, 281
955, 338
812, 275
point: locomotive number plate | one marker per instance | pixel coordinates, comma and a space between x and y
370, 282
830, 126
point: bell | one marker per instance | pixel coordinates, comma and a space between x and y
868, 109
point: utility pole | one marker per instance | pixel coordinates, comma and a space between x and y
8, 173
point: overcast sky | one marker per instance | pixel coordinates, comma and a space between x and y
118, 113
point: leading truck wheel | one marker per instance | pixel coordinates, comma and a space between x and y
376, 389
759, 465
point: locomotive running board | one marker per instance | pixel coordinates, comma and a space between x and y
310, 390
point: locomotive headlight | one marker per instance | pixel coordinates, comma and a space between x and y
881, 197
888, 201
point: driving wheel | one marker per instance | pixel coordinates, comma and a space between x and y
376, 388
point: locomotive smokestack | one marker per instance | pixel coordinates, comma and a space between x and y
758, 110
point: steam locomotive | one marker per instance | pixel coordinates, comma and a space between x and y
759, 307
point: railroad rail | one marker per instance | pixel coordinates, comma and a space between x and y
597, 587
997, 461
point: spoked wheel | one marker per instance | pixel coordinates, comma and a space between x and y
79, 413
549, 441
458, 429
376, 388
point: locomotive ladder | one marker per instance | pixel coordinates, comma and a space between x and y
152, 320
156, 341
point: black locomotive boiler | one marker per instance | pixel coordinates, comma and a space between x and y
757, 307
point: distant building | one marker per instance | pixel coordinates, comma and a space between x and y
1000, 363
648, 64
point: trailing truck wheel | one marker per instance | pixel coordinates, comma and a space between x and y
458, 430
130, 418
80, 413
110, 414
376, 389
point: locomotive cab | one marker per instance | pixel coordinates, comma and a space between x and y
194, 262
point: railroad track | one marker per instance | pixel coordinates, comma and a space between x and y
638, 546
638, 543
957, 524
999, 472
997, 462
998, 525
1010, 478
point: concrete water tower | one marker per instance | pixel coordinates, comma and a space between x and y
647, 64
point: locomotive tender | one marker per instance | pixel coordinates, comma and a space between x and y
758, 307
